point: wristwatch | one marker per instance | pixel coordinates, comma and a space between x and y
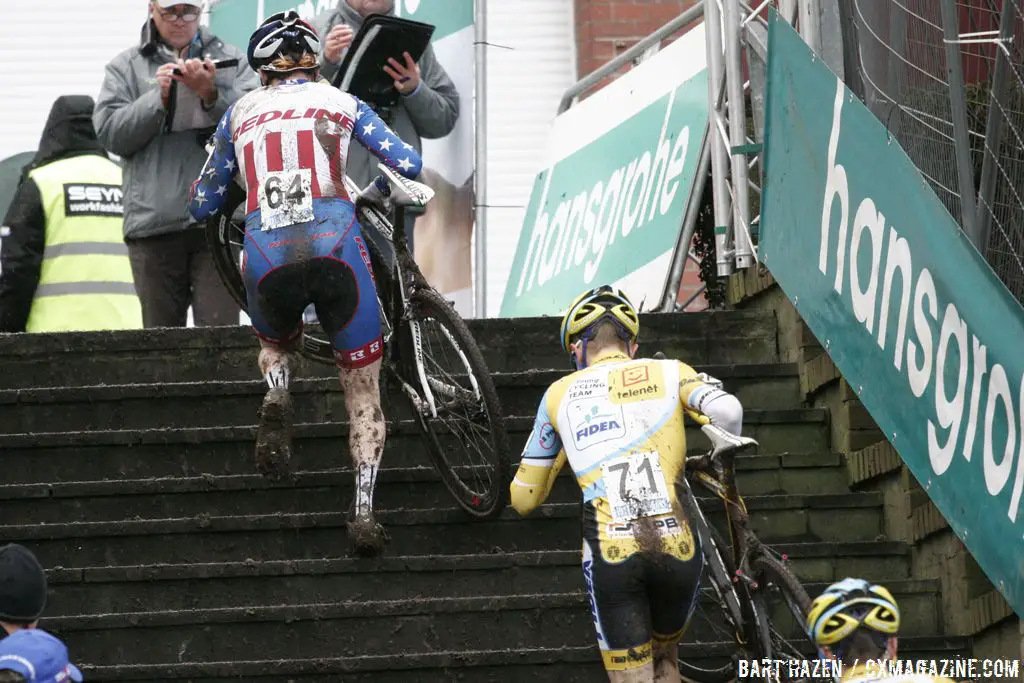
216, 96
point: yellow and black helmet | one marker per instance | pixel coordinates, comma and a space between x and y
848, 605
597, 304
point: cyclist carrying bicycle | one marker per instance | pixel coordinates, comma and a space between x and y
855, 622
288, 142
618, 421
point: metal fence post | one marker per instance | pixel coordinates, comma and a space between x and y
852, 76
993, 130
480, 160
958, 109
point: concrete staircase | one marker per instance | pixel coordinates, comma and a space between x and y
127, 467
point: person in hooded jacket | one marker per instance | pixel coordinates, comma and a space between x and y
63, 262
173, 265
428, 103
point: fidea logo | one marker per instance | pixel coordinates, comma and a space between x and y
928, 356
633, 193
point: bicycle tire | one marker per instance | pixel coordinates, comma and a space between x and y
423, 303
219, 240
725, 673
770, 571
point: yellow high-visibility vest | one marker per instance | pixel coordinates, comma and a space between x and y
86, 279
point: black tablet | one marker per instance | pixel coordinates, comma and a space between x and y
380, 37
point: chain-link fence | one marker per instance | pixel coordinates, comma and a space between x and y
995, 107
960, 120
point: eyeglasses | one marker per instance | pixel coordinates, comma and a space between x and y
188, 15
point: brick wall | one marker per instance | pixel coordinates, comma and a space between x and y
606, 28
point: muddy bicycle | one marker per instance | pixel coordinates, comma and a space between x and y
757, 603
429, 353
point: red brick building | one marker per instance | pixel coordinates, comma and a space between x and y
606, 29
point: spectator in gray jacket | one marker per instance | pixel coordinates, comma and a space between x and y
171, 263
429, 106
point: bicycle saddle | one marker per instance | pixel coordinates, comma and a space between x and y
405, 192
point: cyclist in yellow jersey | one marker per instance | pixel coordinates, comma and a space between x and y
618, 421
855, 623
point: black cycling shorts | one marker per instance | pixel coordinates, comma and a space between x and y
643, 599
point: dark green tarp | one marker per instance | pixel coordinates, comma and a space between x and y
10, 173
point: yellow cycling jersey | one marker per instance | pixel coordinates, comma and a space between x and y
619, 425
876, 673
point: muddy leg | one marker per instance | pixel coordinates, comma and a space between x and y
642, 674
366, 444
274, 437
666, 662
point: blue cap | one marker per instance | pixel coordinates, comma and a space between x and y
37, 656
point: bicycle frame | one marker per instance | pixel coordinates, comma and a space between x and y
722, 483
407, 276
716, 473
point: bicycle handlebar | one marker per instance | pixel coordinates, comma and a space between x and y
722, 442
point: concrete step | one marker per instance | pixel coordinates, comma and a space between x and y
414, 487
136, 588
320, 534
212, 403
229, 353
136, 454
581, 664
301, 630
307, 630
539, 665
826, 563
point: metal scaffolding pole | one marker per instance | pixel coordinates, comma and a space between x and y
788, 10
480, 162
675, 278
958, 109
810, 24
717, 138
993, 130
731, 20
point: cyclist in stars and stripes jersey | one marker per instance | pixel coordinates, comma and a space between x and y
288, 142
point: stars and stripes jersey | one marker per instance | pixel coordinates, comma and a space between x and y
291, 140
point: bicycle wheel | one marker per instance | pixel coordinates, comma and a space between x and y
226, 239
723, 612
466, 440
782, 606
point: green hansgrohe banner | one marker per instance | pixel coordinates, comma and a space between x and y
907, 309
235, 20
608, 206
